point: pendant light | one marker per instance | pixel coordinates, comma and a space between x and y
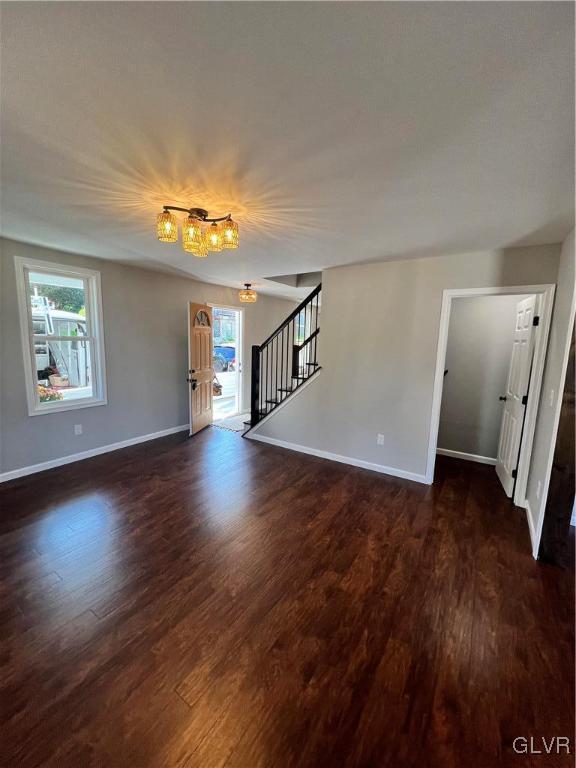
191, 234
167, 227
229, 234
213, 237
200, 250
247, 295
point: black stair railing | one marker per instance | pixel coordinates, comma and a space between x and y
286, 359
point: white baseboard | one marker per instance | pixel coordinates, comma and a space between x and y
33, 468
342, 459
466, 456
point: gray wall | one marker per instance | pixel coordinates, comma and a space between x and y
552, 385
146, 358
478, 359
379, 335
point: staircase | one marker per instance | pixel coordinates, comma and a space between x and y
286, 359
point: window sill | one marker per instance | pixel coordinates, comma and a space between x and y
59, 407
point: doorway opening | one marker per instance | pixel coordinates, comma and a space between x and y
227, 361
489, 367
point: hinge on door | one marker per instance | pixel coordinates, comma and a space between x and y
514, 473
536, 320
525, 400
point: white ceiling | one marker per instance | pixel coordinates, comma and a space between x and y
334, 132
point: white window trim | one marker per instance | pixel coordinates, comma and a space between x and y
96, 334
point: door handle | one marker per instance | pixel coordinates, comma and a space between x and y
502, 397
193, 382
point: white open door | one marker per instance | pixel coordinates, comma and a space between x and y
516, 394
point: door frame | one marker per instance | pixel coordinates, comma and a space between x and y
546, 293
240, 349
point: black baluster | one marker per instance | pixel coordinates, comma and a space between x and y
272, 347
315, 358
288, 362
281, 367
295, 347
305, 367
262, 379
255, 387
275, 395
269, 371
301, 350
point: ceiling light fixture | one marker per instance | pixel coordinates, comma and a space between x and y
213, 237
197, 238
167, 227
229, 234
191, 234
247, 295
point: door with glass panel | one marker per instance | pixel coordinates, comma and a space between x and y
200, 369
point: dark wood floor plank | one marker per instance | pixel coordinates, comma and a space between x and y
216, 602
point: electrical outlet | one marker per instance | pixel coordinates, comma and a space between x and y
77, 429
538, 489
379, 439
551, 398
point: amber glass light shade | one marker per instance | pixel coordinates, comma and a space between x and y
199, 249
191, 234
167, 227
213, 237
229, 234
247, 295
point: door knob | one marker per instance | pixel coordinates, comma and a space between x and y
502, 397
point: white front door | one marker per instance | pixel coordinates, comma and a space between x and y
515, 395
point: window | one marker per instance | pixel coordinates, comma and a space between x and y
61, 322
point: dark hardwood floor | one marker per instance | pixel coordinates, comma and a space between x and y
218, 602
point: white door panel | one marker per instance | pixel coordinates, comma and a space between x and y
516, 389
